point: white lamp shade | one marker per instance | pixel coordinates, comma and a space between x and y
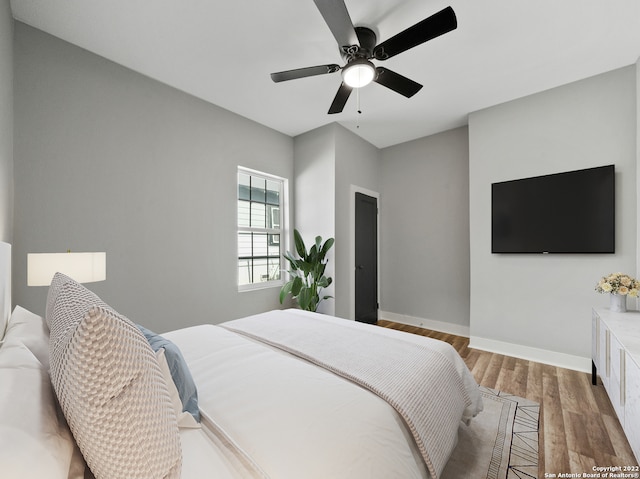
82, 267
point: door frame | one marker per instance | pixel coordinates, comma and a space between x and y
352, 244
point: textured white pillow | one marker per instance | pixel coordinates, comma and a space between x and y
110, 388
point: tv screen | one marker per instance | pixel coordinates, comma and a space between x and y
571, 212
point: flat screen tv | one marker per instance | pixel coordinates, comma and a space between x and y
571, 212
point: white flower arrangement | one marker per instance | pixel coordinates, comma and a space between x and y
619, 283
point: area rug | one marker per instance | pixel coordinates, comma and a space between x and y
500, 443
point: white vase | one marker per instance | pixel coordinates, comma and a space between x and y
618, 303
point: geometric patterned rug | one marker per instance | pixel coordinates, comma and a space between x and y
501, 442
523, 457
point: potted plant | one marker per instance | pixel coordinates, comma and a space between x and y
306, 272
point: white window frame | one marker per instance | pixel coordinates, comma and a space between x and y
281, 231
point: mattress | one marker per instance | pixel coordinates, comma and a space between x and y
267, 413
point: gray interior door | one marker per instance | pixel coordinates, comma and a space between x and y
366, 245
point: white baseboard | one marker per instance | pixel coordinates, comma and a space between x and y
544, 356
563, 360
441, 326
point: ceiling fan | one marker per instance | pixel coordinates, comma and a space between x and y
358, 47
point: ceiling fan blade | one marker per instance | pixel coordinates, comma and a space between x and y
437, 24
396, 82
337, 18
341, 99
304, 72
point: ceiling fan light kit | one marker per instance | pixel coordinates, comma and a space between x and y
358, 47
359, 72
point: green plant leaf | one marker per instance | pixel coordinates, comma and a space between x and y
306, 267
326, 247
300, 246
313, 255
285, 290
296, 286
304, 299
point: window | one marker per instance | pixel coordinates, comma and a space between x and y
260, 229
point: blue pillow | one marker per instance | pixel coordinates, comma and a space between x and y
179, 371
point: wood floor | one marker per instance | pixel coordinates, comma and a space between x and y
578, 426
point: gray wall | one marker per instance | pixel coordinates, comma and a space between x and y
357, 166
328, 160
545, 301
109, 160
6, 122
425, 229
314, 196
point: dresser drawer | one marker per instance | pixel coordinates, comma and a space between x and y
632, 407
616, 387
604, 356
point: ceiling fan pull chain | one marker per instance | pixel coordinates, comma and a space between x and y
358, 107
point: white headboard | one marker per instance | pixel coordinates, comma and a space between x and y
5, 286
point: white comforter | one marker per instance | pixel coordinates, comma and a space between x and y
280, 417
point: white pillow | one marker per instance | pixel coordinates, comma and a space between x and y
32, 331
35, 441
110, 388
185, 419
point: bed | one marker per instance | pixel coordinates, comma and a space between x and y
282, 394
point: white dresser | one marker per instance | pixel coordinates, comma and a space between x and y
615, 352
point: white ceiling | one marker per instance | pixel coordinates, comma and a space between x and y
223, 53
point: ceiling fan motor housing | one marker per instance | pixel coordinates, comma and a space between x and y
367, 39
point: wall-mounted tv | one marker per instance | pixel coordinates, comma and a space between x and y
571, 212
